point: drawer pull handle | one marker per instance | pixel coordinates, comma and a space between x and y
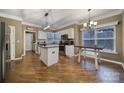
53, 52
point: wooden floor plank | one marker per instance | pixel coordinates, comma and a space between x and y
67, 70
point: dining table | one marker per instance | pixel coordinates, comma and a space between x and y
97, 51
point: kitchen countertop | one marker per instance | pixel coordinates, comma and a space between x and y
49, 45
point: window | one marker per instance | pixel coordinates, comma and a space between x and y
50, 36
53, 36
103, 37
57, 36
88, 38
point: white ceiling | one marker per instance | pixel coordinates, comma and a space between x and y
57, 17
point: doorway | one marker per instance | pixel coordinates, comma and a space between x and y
29, 41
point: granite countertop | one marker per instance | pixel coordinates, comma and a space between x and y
49, 45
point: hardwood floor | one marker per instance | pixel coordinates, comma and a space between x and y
31, 69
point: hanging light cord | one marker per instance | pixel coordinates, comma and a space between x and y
89, 15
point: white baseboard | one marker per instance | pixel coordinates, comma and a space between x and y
23, 55
19, 58
115, 62
122, 65
8, 60
111, 61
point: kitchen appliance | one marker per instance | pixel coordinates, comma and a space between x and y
64, 37
69, 42
2, 51
63, 44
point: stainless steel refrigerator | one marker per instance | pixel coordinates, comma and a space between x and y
2, 51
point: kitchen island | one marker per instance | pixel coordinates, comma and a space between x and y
49, 54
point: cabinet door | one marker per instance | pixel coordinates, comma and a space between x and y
42, 35
69, 50
71, 33
53, 55
39, 34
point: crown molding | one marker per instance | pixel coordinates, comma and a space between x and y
112, 13
65, 25
11, 16
18, 19
30, 24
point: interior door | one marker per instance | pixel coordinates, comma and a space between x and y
29, 41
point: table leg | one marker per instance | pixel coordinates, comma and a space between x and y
79, 56
84, 53
96, 60
99, 56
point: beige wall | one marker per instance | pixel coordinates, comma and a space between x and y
123, 34
19, 34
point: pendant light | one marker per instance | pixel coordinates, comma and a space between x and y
47, 24
90, 24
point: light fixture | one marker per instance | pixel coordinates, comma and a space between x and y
49, 20
47, 25
90, 24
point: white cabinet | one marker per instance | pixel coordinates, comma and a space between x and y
53, 55
36, 48
49, 55
69, 32
69, 50
33, 47
42, 35
39, 50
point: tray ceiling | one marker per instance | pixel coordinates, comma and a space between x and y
57, 17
